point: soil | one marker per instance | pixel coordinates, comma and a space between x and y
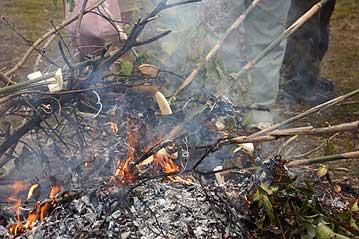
341, 65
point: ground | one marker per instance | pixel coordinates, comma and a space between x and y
341, 64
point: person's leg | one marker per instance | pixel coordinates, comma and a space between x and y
263, 26
301, 67
325, 15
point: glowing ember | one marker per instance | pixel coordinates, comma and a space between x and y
31, 191
113, 126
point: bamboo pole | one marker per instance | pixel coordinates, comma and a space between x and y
285, 35
24, 84
325, 159
215, 49
313, 110
348, 127
179, 128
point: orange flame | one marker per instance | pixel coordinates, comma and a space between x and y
167, 164
124, 171
113, 126
170, 167
43, 211
17, 208
55, 190
17, 228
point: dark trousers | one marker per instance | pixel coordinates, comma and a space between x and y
306, 48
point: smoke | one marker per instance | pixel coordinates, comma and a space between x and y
196, 28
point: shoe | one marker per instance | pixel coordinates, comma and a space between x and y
258, 119
325, 85
311, 95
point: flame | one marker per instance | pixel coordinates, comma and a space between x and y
31, 191
124, 172
113, 126
16, 228
55, 190
19, 227
43, 211
32, 217
166, 163
17, 208
170, 167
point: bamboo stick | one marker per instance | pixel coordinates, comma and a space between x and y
215, 49
285, 35
325, 159
348, 127
313, 110
179, 128
24, 84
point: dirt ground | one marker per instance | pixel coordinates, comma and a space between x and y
341, 64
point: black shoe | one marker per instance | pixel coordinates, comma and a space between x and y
325, 85
299, 91
310, 96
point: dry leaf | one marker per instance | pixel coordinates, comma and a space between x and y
338, 189
322, 171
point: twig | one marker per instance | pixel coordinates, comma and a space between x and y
286, 143
6, 79
28, 42
325, 159
78, 26
46, 45
132, 40
315, 149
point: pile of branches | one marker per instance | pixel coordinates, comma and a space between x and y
101, 118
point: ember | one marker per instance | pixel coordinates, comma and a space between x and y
113, 126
